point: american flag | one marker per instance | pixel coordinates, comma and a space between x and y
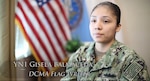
45, 26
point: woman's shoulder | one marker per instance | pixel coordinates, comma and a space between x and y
129, 53
126, 49
123, 52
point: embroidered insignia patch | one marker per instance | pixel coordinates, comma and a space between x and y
132, 70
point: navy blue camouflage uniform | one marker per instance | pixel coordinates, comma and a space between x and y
120, 63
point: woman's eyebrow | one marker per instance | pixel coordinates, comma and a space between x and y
100, 17
93, 16
106, 17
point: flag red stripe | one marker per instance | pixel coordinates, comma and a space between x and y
29, 39
36, 33
63, 11
44, 43
43, 28
58, 21
53, 30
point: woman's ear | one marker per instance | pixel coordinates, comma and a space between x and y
118, 27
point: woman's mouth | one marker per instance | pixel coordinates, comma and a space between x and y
97, 35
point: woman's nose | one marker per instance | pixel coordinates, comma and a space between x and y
98, 26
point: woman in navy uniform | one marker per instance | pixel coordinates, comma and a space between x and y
105, 59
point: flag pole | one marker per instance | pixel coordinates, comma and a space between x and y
39, 77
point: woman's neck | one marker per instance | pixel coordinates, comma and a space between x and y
103, 47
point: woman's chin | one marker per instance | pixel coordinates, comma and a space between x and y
98, 40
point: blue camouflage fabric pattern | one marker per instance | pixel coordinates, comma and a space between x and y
120, 63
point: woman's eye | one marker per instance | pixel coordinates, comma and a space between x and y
106, 21
93, 20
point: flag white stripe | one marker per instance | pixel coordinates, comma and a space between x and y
31, 35
62, 19
57, 29
47, 46
51, 35
55, 24
38, 29
50, 14
45, 41
60, 16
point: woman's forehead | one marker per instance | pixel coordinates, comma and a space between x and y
103, 8
102, 11
99, 17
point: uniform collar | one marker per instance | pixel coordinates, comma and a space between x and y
106, 61
90, 49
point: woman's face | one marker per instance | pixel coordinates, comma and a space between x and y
103, 25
